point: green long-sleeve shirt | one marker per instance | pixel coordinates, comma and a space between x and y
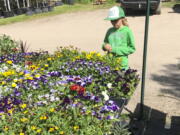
122, 43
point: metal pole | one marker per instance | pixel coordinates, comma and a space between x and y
144, 59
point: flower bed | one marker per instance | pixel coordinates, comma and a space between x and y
62, 93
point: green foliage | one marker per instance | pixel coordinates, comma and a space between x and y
7, 45
119, 129
64, 93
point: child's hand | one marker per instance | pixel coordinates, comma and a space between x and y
108, 47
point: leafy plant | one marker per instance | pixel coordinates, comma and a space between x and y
119, 129
7, 45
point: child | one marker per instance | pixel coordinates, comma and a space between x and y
119, 40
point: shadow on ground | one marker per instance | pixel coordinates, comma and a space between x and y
170, 80
154, 123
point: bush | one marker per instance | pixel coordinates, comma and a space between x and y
7, 45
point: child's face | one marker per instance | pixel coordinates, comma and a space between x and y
117, 23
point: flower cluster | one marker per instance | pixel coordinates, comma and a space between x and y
65, 93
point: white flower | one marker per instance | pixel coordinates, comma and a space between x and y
57, 99
52, 98
18, 69
106, 97
5, 68
53, 91
109, 85
39, 97
44, 102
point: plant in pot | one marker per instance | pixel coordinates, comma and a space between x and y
58, 3
37, 9
8, 12
50, 5
44, 6
29, 9
18, 11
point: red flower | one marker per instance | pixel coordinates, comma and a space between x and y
80, 90
74, 87
77, 78
28, 62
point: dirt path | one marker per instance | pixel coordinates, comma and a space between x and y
86, 31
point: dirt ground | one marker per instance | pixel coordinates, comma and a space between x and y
86, 30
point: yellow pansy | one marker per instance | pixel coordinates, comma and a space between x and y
117, 68
21, 73
10, 111
25, 112
20, 80
33, 127
33, 67
51, 130
9, 62
21, 134
3, 82
12, 72
39, 130
24, 119
77, 57
30, 78
49, 59
27, 75
93, 52
37, 75
6, 128
52, 110
46, 65
88, 56
14, 85
56, 127
43, 118
23, 106
15, 80
98, 54
61, 132
76, 127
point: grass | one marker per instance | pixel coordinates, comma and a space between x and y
56, 11
170, 4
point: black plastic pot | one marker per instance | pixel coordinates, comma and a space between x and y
58, 3
37, 10
70, 2
1, 13
24, 10
8, 14
29, 11
50, 8
45, 9
18, 11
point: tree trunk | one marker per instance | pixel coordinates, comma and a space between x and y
5, 5
28, 4
37, 4
8, 4
17, 1
24, 5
